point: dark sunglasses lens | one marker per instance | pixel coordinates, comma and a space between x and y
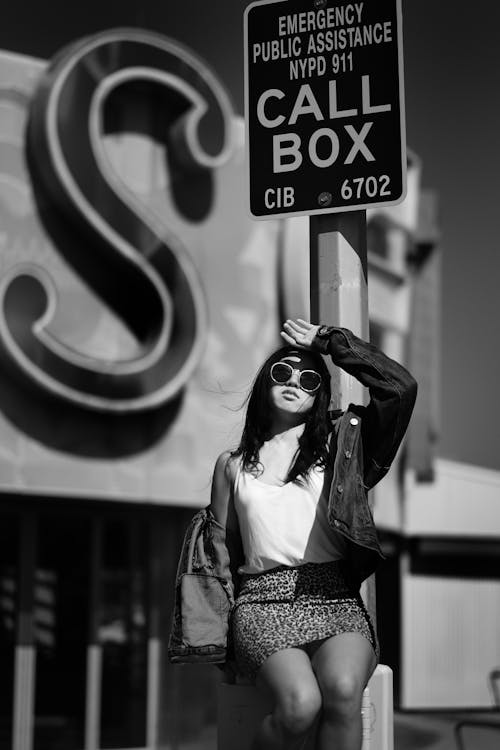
310, 380
281, 372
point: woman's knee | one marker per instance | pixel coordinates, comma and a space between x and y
342, 695
297, 711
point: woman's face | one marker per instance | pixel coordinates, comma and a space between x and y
289, 395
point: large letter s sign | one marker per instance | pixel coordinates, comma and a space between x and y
130, 263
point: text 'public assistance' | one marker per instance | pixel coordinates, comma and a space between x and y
306, 39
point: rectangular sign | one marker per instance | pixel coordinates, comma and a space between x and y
324, 106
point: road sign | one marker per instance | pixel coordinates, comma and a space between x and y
324, 106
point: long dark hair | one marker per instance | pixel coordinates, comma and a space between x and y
313, 443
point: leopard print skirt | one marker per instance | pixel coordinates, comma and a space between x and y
292, 606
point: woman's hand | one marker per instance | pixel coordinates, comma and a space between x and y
299, 333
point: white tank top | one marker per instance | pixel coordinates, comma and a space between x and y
284, 525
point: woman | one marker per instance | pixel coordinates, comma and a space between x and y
294, 495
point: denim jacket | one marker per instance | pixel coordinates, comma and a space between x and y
367, 439
364, 441
204, 594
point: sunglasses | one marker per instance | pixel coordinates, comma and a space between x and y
309, 380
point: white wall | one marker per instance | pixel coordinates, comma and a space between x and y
450, 641
464, 500
451, 624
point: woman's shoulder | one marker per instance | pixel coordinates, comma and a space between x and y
227, 465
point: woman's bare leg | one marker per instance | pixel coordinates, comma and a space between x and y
343, 665
287, 677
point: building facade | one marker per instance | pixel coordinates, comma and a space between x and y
137, 300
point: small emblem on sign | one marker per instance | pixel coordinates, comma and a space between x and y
325, 199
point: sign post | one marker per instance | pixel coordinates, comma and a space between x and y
324, 113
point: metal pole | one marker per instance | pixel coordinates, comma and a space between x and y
339, 296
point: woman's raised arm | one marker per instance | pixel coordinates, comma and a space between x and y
392, 389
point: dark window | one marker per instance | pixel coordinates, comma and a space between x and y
9, 552
60, 628
122, 632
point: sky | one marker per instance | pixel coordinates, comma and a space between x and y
452, 94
